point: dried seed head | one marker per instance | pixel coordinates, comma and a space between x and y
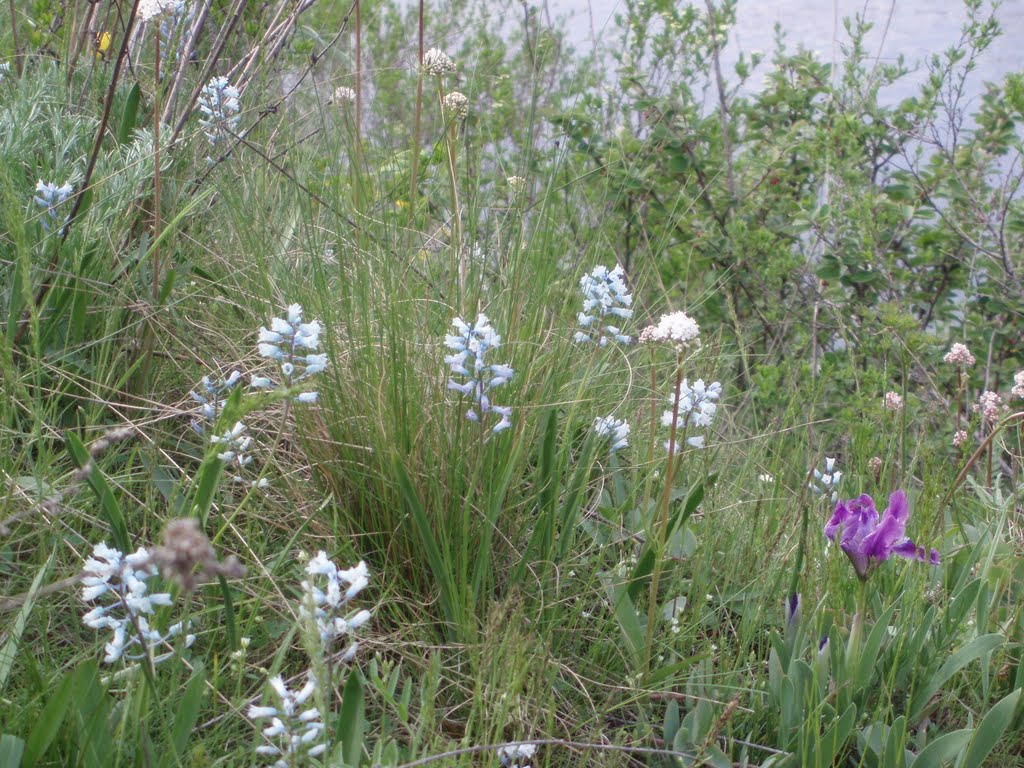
187, 556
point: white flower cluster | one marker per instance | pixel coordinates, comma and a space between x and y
118, 583
50, 197
604, 294
218, 102
827, 482
151, 9
615, 429
328, 592
697, 406
344, 95
437, 62
959, 354
989, 405
513, 753
677, 328
282, 343
211, 400
294, 733
470, 348
1018, 384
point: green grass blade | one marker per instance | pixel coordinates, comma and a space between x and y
9, 652
438, 565
186, 716
100, 486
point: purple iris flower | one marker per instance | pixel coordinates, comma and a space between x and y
866, 540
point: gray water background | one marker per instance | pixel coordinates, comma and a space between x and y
915, 28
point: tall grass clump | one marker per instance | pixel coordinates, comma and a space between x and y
393, 384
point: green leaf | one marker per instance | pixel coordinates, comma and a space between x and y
671, 721
11, 749
975, 649
351, 720
9, 652
98, 483
835, 738
49, 721
229, 611
991, 730
868, 666
129, 117
626, 616
944, 750
185, 718
212, 468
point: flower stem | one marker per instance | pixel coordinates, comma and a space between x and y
659, 561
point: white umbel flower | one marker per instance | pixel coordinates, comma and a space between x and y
151, 9
437, 62
456, 105
677, 328
344, 95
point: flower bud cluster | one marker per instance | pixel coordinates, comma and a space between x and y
959, 354
456, 105
469, 362
437, 62
677, 328
990, 406
604, 294
119, 587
